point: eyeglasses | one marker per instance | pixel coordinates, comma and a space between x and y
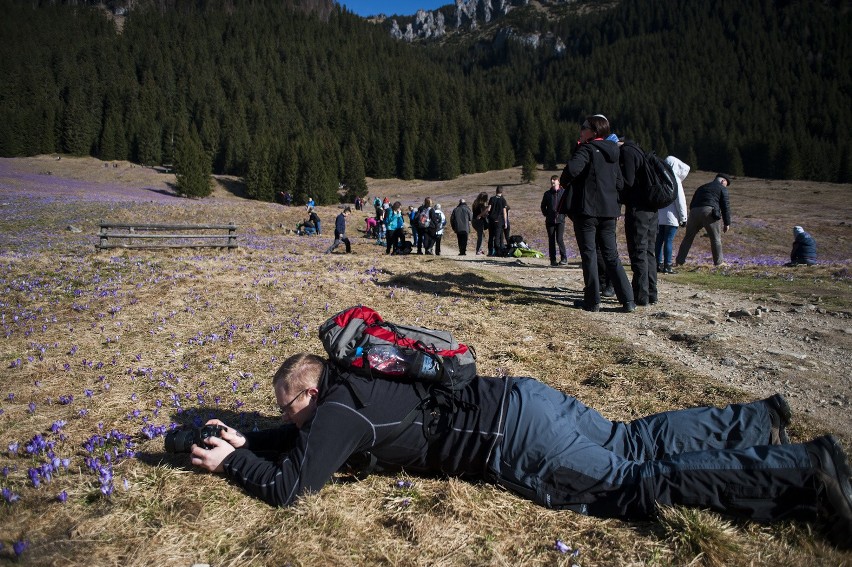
285, 409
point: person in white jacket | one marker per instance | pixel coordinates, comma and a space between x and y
670, 217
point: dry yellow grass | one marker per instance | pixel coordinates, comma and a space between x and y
144, 329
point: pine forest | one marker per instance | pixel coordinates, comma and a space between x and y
299, 103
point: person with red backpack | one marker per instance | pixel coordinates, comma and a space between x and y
541, 444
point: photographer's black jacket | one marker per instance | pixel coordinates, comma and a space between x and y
343, 427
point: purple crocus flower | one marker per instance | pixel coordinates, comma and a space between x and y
561, 546
62, 496
19, 547
9, 496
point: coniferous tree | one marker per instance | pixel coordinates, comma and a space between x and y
192, 167
287, 169
528, 167
259, 184
354, 177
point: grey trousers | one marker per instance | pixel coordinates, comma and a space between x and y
702, 217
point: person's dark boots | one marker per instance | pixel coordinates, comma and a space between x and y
780, 414
594, 307
667, 269
659, 268
834, 488
628, 307
608, 291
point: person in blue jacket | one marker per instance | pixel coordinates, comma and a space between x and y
804, 248
541, 444
340, 232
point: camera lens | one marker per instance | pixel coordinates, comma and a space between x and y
180, 440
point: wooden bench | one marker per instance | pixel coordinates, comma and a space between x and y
127, 235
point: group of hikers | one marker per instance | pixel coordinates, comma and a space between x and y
603, 174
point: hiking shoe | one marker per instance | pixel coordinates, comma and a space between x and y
834, 488
780, 414
563, 262
594, 307
608, 291
628, 307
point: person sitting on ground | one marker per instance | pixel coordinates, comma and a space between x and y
541, 444
804, 248
306, 227
315, 220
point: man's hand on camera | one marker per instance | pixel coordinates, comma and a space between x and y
230, 434
211, 458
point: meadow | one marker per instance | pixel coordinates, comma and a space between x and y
104, 351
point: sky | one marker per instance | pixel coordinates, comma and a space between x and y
391, 7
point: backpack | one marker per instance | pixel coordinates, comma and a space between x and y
656, 183
441, 369
437, 220
423, 217
435, 358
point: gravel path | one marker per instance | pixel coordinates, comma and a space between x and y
761, 345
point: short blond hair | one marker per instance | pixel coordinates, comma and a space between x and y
299, 372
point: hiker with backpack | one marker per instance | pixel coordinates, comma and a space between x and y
424, 221
595, 180
522, 435
709, 209
438, 222
670, 218
640, 224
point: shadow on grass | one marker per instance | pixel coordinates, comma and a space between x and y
468, 284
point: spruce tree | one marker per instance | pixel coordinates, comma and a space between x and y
192, 167
528, 167
259, 176
354, 177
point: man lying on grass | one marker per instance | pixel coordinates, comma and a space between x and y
543, 445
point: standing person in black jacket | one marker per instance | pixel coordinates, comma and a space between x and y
710, 209
640, 226
498, 221
595, 179
542, 445
554, 221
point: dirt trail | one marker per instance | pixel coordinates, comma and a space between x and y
761, 346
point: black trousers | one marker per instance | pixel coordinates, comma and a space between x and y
394, 238
593, 232
462, 238
495, 236
556, 237
422, 233
640, 230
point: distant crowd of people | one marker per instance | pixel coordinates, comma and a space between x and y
602, 175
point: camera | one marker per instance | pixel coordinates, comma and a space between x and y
182, 440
